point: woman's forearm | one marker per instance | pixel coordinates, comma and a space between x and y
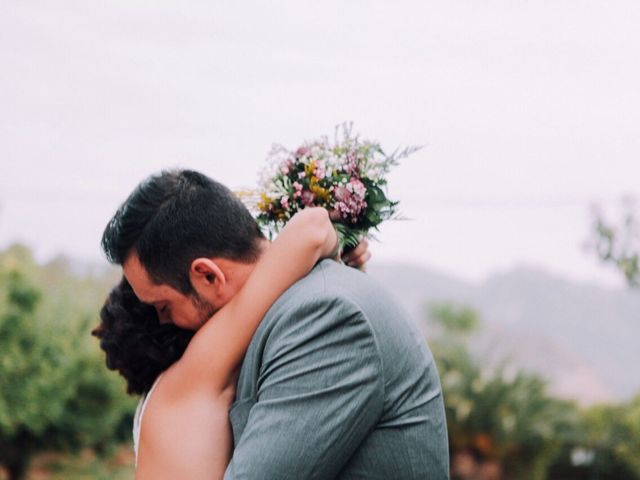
217, 349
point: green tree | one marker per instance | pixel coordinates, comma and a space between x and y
495, 414
610, 435
618, 243
54, 390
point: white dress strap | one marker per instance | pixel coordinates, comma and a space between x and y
137, 418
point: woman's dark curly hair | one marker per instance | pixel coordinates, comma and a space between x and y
137, 345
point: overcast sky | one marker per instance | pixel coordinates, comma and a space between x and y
529, 111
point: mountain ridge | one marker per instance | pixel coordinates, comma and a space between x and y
580, 337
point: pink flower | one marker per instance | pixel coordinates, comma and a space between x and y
351, 166
350, 201
308, 198
301, 152
356, 187
284, 201
320, 170
285, 166
341, 193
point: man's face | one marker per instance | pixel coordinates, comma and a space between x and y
184, 311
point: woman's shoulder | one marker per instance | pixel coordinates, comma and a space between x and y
158, 410
178, 390
165, 386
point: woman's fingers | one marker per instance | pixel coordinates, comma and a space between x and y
359, 256
361, 261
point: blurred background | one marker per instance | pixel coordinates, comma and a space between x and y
518, 258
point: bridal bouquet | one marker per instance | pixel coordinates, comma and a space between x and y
347, 176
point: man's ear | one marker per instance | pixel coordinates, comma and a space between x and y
206, 274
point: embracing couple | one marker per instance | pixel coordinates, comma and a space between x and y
258, 359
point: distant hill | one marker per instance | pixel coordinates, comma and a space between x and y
583, 339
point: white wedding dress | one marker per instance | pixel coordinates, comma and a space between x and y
137, 418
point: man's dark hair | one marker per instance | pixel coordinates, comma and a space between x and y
136, 344
175, 216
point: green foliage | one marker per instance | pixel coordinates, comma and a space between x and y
348, 238
505, 416
619, 244
495, 414
55, 392
611, 433
458, 321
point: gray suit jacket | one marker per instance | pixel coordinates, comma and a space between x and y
338, 383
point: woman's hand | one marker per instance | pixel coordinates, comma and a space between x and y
359, 256
314, 222
312, 227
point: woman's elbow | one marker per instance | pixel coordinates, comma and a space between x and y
319, 231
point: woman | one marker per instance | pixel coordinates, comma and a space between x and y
184, 426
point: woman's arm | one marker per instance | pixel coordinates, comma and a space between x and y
185, 429
220, 344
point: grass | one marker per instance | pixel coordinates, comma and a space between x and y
86, 465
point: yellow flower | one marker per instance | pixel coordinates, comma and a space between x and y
310, 168
321, 193
265, 202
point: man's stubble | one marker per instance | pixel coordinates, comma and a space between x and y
204, 307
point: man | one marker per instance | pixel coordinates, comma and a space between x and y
337, 382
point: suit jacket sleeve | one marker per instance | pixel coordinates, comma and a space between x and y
320, 392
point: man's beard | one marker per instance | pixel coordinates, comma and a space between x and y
204, 308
